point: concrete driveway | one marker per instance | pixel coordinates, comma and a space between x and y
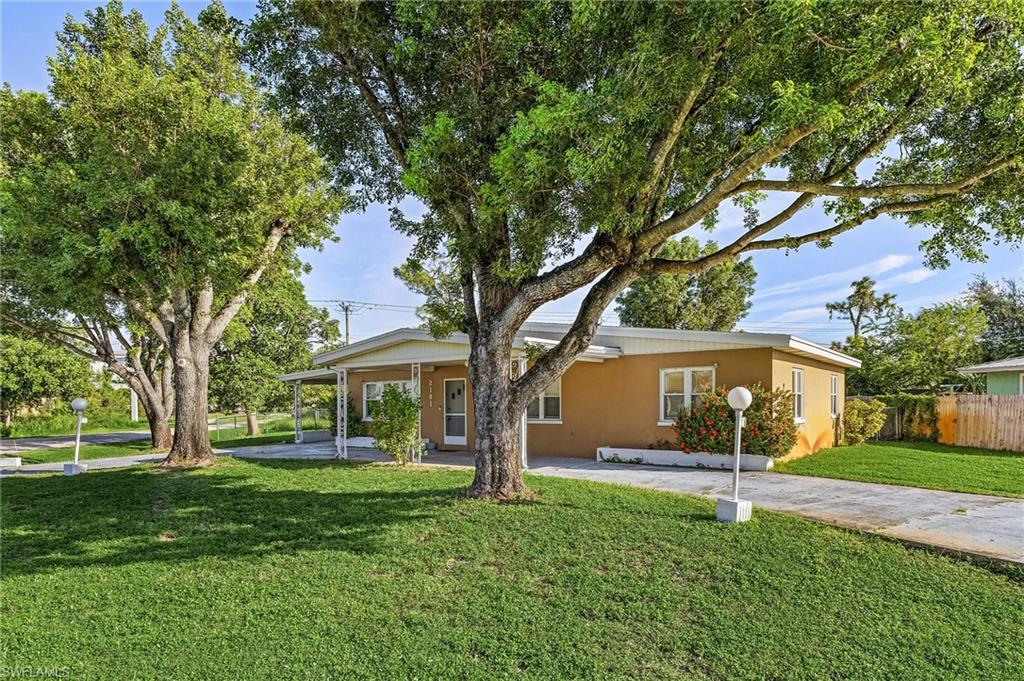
972, 524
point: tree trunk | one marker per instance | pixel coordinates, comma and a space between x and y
159, 431
252, 425
496, 421
191, 446
7, 418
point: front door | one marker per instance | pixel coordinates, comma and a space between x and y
455, 411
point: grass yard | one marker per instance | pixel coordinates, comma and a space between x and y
337, 570
139, 447
918, 464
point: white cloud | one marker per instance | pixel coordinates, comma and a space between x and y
801, 314
908, 277
880, 266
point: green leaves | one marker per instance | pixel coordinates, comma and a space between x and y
32, 371
152, 165
713, 300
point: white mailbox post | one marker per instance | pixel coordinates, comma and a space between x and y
78, 404
736, 510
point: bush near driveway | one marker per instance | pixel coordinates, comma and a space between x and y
862, 419
396, 420
710, 424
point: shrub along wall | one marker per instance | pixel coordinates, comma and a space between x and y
918, 416
709, 424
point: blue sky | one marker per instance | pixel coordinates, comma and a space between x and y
791, 289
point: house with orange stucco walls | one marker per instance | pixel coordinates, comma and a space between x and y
621, 392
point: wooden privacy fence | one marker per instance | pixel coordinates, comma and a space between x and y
988, 421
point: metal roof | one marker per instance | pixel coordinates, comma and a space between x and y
1008, 364
608, 342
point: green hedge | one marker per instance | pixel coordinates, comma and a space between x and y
919, 415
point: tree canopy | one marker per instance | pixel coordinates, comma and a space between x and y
32, 371
864, 308
919, 352
713, 300
153, 183
1003, 305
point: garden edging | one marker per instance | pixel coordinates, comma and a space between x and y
664, 457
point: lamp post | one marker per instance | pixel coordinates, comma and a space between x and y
735, 510
78, 404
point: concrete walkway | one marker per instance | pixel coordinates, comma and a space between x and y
973, 524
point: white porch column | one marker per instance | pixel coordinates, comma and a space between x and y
522, 421
339, 408
134, 405
298, 412
344, 416
414, 370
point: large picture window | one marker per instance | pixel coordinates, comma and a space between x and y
682, 389
546, 408
372, 392
798, 395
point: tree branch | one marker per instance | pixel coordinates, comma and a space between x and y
555, 361
884, 191
223, 317
350, 62
845, 226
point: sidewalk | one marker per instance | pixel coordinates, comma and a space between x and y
973, 524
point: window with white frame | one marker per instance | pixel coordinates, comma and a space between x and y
798, 395
548, 406
834, 395
682, 389
372, 392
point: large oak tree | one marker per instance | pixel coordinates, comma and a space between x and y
558, 146
152, 178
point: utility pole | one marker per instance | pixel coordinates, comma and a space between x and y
347, 309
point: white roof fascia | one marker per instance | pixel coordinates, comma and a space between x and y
310, 374
1008, 365
834, 356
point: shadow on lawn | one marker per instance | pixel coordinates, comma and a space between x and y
141, 515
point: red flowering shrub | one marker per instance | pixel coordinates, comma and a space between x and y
709, 424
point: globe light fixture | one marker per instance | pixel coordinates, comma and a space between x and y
79, 405
735, 510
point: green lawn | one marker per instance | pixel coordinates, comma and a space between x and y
336, 570
139, 447
918, 464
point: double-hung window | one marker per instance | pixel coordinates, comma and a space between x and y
372, 392
682, 389
798, 395
547, 407
834, 395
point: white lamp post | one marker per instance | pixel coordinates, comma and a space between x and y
78, 404
736, 510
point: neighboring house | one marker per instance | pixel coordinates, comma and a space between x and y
1002, 377
621, 392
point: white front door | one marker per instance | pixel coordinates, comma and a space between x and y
455, 411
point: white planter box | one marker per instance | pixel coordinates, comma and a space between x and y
667, 457
10, 461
